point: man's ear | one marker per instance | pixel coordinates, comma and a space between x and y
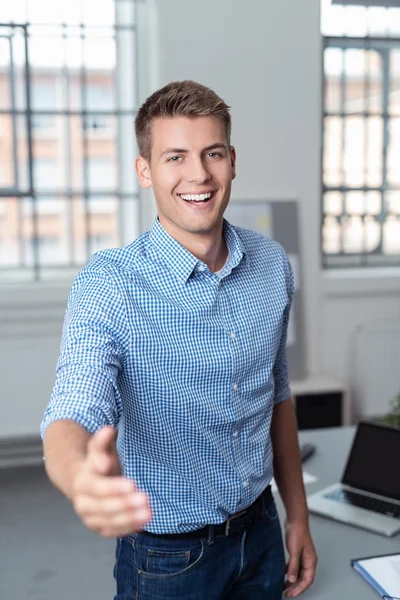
143, 172
233, 161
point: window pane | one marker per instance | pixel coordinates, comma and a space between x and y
374, 151
393, 19
355, 68
353, 155
44, 93
333, 151
331, 236
13, 173
5, 88
95, 225
372, 232
99, 93
377, 21
355, 203
333, 61
104, 225
101, 164
394, 94
98, 12
10, 232
353, 235
373, 203
49, 151
356, 22
7, 178
391, 235
45, 174
99, 52
392, 202
102, 174
333, 203
393, 155
375, 82
332, 18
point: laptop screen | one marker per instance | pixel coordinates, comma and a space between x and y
373, 463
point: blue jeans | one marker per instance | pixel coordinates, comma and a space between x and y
248, 565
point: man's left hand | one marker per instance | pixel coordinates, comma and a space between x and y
300, 570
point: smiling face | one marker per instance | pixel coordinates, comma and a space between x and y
191, 170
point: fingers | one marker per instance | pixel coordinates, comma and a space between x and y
119, 525
105, 501
292, 569
109, 505
102, 454
304, 581
305, 576
107, 510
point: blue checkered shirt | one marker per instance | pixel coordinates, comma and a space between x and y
187, 363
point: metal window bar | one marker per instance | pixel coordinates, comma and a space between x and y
126, 195
377, 256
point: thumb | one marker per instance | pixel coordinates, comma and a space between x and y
292, 569
102, 452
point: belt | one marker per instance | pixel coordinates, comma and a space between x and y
236, 523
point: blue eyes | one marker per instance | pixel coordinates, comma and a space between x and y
176, 159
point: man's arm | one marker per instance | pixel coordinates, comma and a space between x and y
65, 449
289, 479
86, 469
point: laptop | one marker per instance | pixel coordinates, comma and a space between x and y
369, 493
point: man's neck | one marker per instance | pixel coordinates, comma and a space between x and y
209, 248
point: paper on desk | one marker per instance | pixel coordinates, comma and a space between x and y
307, 478
386, 572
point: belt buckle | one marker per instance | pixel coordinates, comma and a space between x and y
228, 522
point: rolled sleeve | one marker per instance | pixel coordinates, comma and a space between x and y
91, 356
280, 370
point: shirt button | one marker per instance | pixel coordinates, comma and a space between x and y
245, 483
233, 335
236, 433
202, 268
235, 386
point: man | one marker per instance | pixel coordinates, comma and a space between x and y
171, 408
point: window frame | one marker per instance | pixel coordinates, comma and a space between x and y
356, 260
126, 188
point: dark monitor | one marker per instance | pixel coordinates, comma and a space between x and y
373, 464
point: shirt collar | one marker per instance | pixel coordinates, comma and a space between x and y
182, 262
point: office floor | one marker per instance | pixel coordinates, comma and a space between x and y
45, 552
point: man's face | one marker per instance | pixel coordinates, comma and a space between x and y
191, 171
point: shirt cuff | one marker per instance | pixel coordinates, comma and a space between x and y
283, 394
90, 424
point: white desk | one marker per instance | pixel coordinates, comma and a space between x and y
335, 542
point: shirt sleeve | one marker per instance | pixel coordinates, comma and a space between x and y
91, 356
280, 370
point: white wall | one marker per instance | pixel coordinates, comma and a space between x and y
264, 58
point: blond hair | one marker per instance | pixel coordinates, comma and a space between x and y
179, 98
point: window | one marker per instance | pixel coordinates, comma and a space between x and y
361, 136
67, 109
99, 98
43, 98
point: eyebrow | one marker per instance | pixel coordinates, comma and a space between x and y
184, 151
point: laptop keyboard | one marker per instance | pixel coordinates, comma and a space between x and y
379, 506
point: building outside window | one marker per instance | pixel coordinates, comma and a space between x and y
67, 109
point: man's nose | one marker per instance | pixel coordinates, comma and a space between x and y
196, 172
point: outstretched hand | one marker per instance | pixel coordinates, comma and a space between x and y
105, 501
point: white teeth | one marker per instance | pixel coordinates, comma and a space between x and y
196, 197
